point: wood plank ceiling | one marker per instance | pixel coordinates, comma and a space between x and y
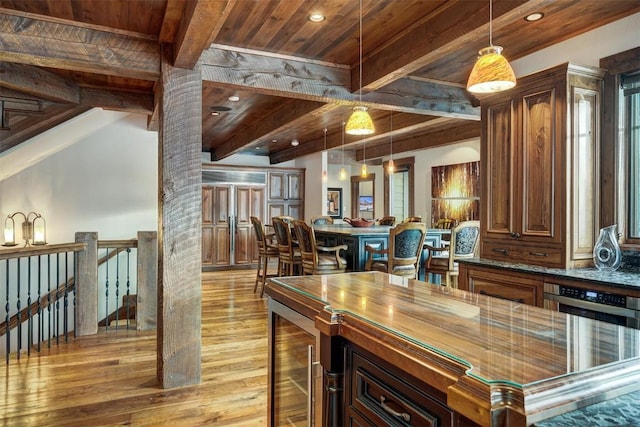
293, 77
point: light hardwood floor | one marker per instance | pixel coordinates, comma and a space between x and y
109, 379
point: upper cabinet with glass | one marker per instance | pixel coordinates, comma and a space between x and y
620, 178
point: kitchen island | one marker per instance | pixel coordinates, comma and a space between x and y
377, 236
396, 351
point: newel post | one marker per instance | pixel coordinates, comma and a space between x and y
147, 300
86, 275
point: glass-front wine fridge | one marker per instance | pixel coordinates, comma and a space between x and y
295, 374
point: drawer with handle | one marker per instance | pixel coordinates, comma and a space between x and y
549, 257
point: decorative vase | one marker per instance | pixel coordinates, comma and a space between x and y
606, 253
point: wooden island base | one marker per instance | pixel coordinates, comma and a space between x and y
395, 351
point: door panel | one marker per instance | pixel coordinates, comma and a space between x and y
242, 238
499, 168
539, 147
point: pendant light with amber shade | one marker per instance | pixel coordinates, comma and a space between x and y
391, 168
360, 122
491, 72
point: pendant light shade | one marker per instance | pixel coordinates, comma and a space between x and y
360, 122
491, 73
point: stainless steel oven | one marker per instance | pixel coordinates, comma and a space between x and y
614, 308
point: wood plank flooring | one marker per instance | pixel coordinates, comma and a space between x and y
109, 379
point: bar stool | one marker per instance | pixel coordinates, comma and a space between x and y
289, 257
266, 250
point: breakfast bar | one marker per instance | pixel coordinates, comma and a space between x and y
395, 351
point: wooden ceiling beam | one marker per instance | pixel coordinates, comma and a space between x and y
72, 46
38, 82
300, 78
438, 137
271, 126
384, 133
200, 24
28, 128
117, 100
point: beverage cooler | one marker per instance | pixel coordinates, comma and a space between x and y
295, 374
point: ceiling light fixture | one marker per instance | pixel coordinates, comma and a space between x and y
390, 166
325, 176
491, 72
360, 122
533, 17
343, 170
234, 98
317, 17
294, 142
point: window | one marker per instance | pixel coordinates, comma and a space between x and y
620, 146
630, 121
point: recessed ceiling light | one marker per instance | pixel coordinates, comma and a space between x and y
274, 140
532, 17
234, 98
317, 17
215, 113
295, 142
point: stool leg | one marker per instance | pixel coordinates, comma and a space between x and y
255, 286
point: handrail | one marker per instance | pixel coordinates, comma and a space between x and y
27, 251
117, 244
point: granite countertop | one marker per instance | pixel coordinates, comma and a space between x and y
620, 411
627, 278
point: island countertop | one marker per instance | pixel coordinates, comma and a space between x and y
488, 355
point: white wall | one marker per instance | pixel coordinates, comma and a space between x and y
105, 182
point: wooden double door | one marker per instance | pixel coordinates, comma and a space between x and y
228, 237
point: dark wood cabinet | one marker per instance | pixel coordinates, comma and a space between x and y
539, 147
522, 288
377, 394
286, 193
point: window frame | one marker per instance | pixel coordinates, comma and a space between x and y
614, 151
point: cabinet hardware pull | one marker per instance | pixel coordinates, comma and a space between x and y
502, 251
516, 235
483, 292
403, 415
538, 254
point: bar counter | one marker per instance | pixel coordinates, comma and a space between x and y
496, 362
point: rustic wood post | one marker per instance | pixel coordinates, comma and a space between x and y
147, 294
179, 97
86, 278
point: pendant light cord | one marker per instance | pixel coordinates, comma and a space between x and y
360, 54
490, 23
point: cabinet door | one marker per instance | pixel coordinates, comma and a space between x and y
540, 156
499, 169
242, 250
207, 205
221, 227
277, 186
526, 290
295, 186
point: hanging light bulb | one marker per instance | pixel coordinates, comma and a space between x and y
343, 170
325, 176
491, 72
390, 166
360, 122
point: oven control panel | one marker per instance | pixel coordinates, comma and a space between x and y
593, 296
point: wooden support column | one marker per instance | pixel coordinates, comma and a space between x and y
86, 275
179, 220
147, 294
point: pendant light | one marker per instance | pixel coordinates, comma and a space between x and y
325, 176
343, 170
360, 122
390, 166
491, 72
